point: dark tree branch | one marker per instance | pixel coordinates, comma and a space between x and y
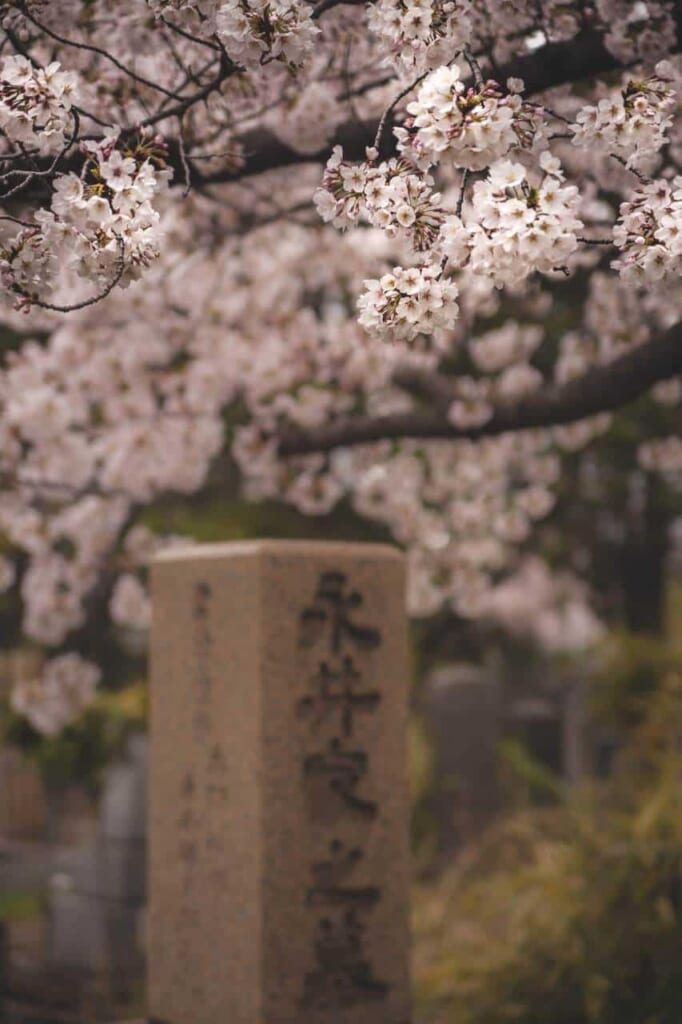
226, 70
433, 388
551, 65
265, 152
602, 389
99, 52
326, 5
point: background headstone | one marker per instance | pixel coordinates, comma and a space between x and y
464, 718
278, 872
97, 894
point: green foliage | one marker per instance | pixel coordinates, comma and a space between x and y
631, 672
83, 750
571, 915
221, 518
17, 905
526, 779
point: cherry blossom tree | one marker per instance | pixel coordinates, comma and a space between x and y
330, 241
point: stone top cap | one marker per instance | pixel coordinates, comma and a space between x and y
357, 549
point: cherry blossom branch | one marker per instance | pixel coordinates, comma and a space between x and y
378, 138
326, 5
42, 486
96, 50
196, 78
31, 300
188, 35
549, 66
602, 389
633, 170
227, 68
29, 175
15, 220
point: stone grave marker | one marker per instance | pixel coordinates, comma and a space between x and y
278, 841
463, 709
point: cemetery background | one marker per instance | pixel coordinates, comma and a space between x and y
547, 817
545, 805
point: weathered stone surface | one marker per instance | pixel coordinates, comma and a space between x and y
278, 873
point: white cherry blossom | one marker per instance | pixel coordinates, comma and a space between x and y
57, 698
471, 125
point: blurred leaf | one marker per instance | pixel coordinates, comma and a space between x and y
19, 906
571, 914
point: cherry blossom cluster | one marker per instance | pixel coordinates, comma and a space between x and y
638, 30
252, 31
507, 25
475, 398
512, 343
36, 103
421, 34
649, 233
515, 227
97, 407
633, 123
471, 125
29, 264
575, 436
308, 122
663, 455
616, 318
552, 609
130, 606
451, 505
68, 550
57, 698
102, 225
472, 403
408, 302
242, 323
391, 196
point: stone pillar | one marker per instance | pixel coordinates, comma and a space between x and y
278, 870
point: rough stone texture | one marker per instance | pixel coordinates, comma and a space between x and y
279, 878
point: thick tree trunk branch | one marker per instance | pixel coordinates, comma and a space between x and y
555, 64
602, 389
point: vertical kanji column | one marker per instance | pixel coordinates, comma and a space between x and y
279, 878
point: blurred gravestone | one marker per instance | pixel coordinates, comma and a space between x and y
464, 717
123, 826
278, 874
97, 892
